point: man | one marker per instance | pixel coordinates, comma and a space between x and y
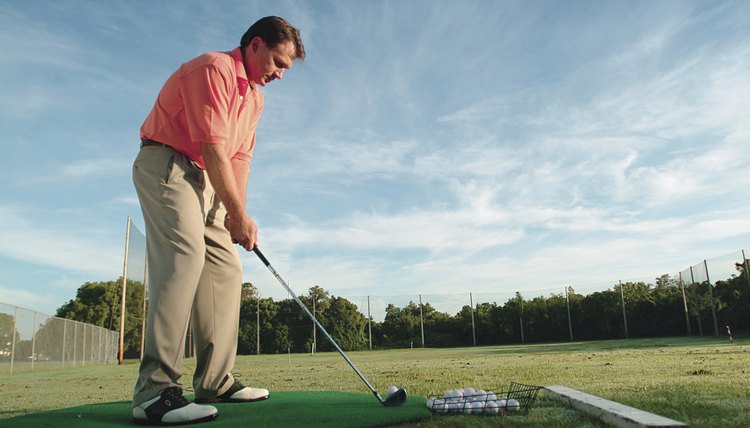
191, 178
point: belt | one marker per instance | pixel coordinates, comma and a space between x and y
146, 142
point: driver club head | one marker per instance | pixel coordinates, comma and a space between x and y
396, 399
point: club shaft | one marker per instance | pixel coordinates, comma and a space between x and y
315, 320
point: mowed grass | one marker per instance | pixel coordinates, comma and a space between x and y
704, 382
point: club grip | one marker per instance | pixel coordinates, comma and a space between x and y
260, 255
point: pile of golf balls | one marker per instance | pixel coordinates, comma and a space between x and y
472, 401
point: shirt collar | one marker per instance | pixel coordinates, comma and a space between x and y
239, 68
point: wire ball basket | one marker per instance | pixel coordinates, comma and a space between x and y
518, 399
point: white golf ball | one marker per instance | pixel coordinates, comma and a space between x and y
502, 403
491, 396
481, 394
468, 407
513, 405
491, 408
439, 405
391, 389
430, 403
469, 391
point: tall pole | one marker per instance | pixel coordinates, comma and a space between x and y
711, 295
315, 337
698, 310
143, 309
369, 322
520, 315
570, 323
747, 268
473, 325
33, 341
624, 317
124, 288
13, 339
685, 304
257, 326
421, 319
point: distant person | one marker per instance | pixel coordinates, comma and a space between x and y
191, 177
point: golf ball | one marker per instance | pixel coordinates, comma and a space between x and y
430, 403
468, 407
391, 389
481, 394
439, 405
469, 391
513, 405
491, 408
502, 403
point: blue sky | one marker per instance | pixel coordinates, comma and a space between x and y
423, 147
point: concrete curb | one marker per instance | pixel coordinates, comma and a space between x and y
609, 411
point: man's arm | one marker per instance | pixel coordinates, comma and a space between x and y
229, 180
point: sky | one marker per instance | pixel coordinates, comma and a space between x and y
422, 147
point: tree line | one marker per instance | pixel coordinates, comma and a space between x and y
631, 309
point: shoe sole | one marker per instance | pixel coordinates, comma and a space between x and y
229, 400
159, 423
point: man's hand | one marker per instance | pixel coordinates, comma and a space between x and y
243, 231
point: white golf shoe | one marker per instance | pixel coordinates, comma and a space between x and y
171, 408
237, 393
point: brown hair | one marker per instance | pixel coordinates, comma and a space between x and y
274, 30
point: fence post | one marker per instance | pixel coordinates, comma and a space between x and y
684, 301
570, 323
711, 294
624, 317
257, 326
747, 269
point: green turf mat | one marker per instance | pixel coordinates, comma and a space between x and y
282, 409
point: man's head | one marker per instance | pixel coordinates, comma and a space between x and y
269, 47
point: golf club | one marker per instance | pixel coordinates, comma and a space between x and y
396, 399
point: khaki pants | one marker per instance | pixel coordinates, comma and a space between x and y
193, 271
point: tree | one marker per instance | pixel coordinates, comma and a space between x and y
98, 303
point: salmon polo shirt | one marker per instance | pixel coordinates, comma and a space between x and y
207, 100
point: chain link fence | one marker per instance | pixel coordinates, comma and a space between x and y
30, 340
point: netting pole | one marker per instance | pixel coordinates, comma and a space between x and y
143, 309
697, 308
685, 304
747, 268
65, 336
75, 343
421, 319
315, 336
473, 325
33, 341
13, 339
83, 350
520, 315
257, 325
570, 322
711, 295
124, 290
369, 322
624, 317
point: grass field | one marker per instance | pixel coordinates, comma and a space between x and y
704, 382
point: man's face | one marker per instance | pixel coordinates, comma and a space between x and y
264, 64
